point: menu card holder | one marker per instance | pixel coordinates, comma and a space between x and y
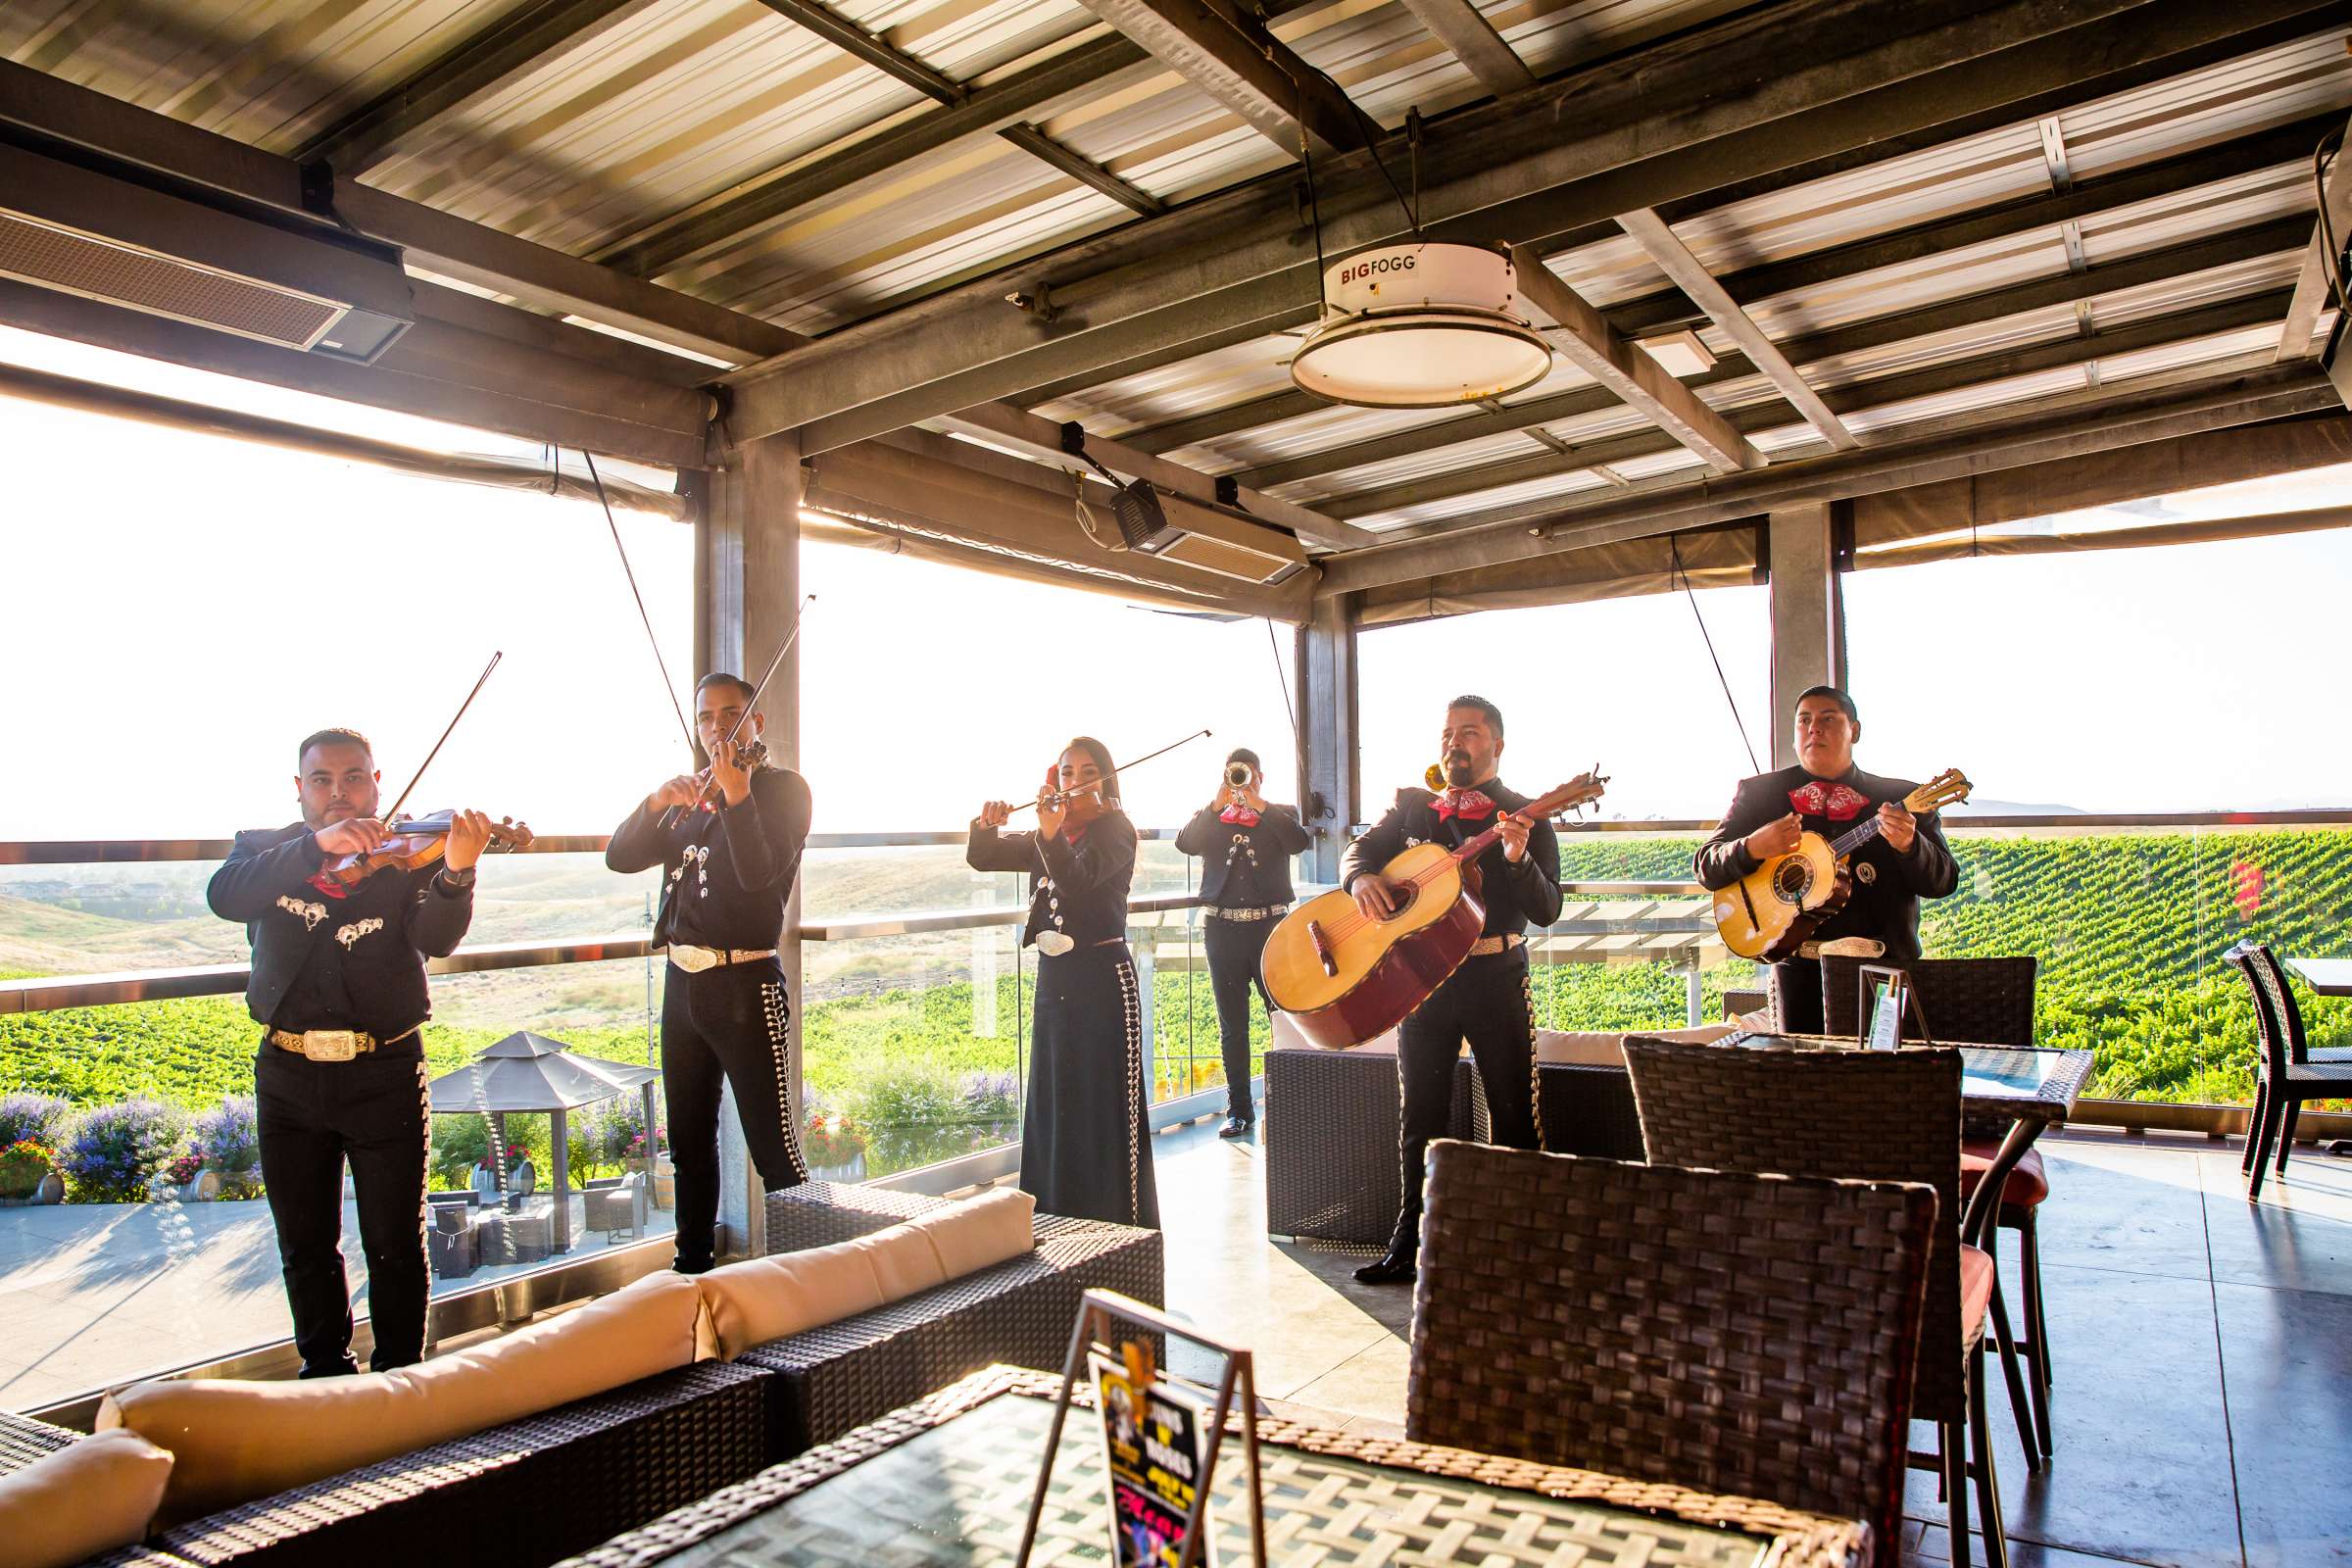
1098, 1312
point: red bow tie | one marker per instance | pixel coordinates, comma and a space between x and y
1239, 814
1837, 802
1468, 805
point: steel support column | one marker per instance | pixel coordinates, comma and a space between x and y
1327, 720
1804, 617
747, 588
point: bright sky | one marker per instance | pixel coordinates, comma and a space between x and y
183, 609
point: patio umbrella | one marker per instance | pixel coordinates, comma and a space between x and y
529, 1072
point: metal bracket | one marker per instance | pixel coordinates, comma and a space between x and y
1039, 304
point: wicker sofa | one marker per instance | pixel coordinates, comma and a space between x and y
1332, 1125
532, 1490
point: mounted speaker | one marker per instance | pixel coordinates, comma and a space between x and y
175, 254
1210, 538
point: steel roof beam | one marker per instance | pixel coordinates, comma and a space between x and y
1472, 40
1257, 76
1959, 450
2267, 239
466, 74
1044, 148
1639, 382
693, 232
2315, 282
1666, 248
1763, 89
1855, 397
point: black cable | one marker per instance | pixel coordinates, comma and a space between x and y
1281, 683
1314, 206
2333, 261
660, 663
1674, 546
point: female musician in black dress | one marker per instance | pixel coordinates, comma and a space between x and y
1086, 1147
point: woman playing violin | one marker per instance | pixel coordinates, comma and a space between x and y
338, 987
1085, 1148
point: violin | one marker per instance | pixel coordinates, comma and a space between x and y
1081, 803
415, 842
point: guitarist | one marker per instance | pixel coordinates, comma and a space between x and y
1826, 794
1485, 1000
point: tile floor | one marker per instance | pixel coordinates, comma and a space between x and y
2202, 1347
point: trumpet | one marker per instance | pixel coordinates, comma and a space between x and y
1237, 774
1435, 777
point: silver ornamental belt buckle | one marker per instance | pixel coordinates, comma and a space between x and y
330, 1044
694, 960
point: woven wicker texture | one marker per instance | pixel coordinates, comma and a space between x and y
1739, 1003
1984, 1001
2287, 1075
833, 1379
1879, 1116
1736, 1333
1589, 1110
722, 1529
23, 1439
1330, 1141
517, 1495
821, 1214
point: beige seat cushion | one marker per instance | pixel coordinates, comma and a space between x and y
234, 1441
1285, 1035
89, 1496
770, 1298
1607, 1049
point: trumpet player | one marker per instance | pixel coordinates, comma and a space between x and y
1244, 844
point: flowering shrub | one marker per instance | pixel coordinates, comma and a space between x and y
22, 1165
35, 1118
227, 1138
184, 1169
991, 1095
114, 1149
832, 1140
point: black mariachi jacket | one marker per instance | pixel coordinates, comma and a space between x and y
354, 962
1244, 866
730, 868
1887, 886
1516, 896
1077, 889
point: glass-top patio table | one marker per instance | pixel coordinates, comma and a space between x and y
947, 1483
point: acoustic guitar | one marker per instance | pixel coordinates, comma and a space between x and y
1344, 977
1775, 910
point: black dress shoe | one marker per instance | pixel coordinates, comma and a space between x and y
1237, 1127
1399, 1265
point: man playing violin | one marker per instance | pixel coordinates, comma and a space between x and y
1824, 792
731, 837
1485, 1000
338, 986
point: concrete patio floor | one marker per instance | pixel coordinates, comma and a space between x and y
2201, 1348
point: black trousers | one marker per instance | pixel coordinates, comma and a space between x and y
312, 1116
1797, 985
1233, 949
1486, 1004
725, 1025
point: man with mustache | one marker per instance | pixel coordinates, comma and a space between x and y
1485, 1000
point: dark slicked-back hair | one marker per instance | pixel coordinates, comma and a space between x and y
333, 736
1494, 715
1243, 754
1853, 714
719, 677
1102, 756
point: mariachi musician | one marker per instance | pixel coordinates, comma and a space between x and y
1244, 844
338, 987
731, 837
1086, 1145
1824, 792
1485, 1000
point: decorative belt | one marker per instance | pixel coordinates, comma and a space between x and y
1488, 946
694, 960
335, 1044
1843, 948
1269, 912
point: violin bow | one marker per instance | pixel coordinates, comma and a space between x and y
1121, 767
751, 703
393, 815
662, 664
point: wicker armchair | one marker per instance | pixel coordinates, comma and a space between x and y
1330, 1139
1856, 1115
1745, 1334
1987, 1001
2289, 1072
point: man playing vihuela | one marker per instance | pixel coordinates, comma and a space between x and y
1824, 792
1485, 1000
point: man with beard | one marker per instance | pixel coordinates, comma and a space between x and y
1824, 792
1485, 1000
